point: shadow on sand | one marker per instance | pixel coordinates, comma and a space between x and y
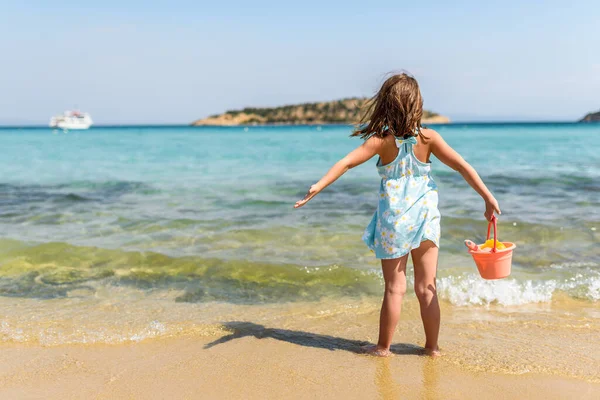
244, 329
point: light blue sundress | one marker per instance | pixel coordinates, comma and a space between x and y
407, 213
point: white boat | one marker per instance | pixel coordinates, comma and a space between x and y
71, 120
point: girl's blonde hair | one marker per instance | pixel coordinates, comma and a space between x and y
396, 110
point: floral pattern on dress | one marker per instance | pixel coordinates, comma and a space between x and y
407, 212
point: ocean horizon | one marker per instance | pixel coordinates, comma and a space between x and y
182, 125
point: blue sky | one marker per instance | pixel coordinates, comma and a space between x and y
175, 61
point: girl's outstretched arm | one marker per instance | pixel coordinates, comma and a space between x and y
364, 152
451, 158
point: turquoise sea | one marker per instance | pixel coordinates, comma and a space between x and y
203, 216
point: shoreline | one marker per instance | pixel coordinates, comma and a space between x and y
252, 367
550, 341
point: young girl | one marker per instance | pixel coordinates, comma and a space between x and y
407, 219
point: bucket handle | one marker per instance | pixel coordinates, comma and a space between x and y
493, 222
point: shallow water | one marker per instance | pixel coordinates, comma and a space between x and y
119, 234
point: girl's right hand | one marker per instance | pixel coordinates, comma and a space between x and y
491, 206
312, 192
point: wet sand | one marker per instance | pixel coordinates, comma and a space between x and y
296, 350
264, 364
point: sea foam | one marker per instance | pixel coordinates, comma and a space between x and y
470, 289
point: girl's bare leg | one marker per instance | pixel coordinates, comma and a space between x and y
425, 259
394, 275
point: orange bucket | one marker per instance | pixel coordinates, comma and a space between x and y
493, 263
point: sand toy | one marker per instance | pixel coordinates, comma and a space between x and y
493, 258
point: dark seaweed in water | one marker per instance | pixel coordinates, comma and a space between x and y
53, 269
239, 291
19, 195
47, 202
560, 183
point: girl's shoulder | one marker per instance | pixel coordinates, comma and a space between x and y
384, 146
381, 142
429, 136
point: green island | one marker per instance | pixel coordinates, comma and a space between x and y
591, 117
344, 111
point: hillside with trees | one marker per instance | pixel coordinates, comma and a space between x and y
344, 111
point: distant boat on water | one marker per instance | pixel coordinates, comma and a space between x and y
71, 120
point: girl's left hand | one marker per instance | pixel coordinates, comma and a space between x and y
312, 192
491, 206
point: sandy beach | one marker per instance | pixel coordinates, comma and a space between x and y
313, 351
255, 368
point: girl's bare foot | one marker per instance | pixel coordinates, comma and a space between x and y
374, 350
435, 352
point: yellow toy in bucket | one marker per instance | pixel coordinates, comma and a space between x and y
490, 243
493, 258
